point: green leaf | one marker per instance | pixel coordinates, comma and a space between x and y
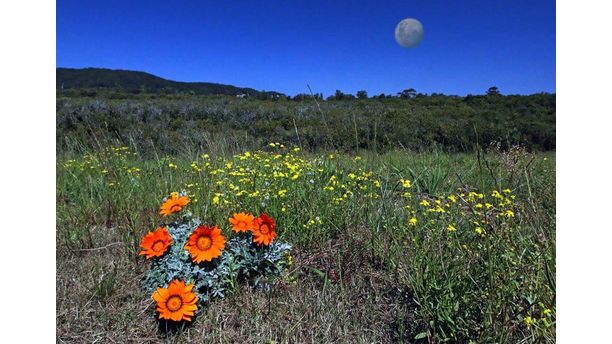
420, 336
319, 272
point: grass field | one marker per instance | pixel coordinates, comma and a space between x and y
398, 247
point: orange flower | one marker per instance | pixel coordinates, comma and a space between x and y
205, 243
155, 244
242, 222
173, 204
264, 232
177, 302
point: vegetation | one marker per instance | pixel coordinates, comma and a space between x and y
180, 123
388, 247
412, 218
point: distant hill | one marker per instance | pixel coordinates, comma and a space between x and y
141, 82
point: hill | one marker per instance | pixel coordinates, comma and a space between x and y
141, 82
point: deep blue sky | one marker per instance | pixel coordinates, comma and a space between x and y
346, 45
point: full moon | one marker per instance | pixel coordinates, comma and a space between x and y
409, 32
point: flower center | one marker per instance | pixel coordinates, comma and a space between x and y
158, 246
174, 303
242, 225
204, 243
175, 208
264, 229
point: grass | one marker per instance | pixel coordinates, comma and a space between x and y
362, 273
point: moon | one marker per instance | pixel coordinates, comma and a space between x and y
409, 32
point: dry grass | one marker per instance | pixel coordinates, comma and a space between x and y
338, 295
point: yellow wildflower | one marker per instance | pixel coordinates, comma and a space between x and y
405, 183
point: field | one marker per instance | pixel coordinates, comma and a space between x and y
394, 246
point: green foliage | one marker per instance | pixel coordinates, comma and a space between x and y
172, 124
497, 285
240, 261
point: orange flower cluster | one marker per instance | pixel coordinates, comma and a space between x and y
263, 227
178, 302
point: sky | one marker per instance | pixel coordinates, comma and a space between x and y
283, 46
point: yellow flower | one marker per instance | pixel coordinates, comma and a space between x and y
479, 231
171, 165
529, 321
472, 196
216, 199
424, 203
451, 228
412, 221
405, 183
